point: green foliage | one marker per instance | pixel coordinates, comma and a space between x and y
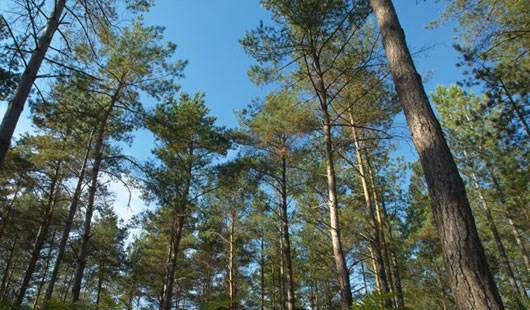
220, 305
374, 301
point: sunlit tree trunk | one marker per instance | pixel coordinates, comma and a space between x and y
469, 276
393, 266
376, 223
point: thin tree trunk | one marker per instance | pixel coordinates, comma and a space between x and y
7, 212
283, 293
69, 221
231, 250
509, 216
168, 290
469, 275
42, 234
392, 263
16, 104
374, 267
45, 272
98, 157
363, 273
273, 293
167, 294
494, 231
287, 242
262, 270
100, 285
376, 223
7, 269
338, 253
443, 295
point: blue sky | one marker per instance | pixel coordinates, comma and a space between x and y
207, 34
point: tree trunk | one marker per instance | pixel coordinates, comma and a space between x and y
338, 254
178, 225
389, 248
287, 243
16, 104
7, 269
504, 203
44, 272
69, 221
167, 294
494, 231
98, 157
376, 224
469, 275
100, 285
262, 271
273, 293
7, 212
42, 234
283, 293
443, 295
231, 280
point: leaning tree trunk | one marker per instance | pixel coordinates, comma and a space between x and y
69, 222
378, 232
389, 248
494, 231
16, 104
509, 216
469, 275
41, 236
98, 158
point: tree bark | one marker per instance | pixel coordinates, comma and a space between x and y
16, 104
231, 250
98, 158
69, 222
338, 253
469, 276
287, 242
178, 224
42, 234
167, 294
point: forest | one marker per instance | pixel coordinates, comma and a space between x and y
307, 204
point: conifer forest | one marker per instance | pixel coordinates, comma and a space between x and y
345, 181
